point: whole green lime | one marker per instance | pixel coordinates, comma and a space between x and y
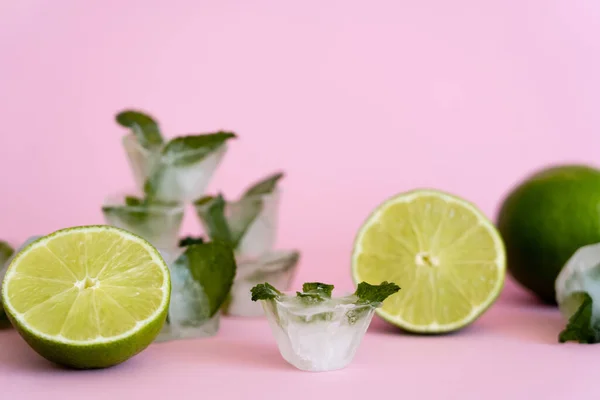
545, 219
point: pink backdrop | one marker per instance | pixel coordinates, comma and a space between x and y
355, 100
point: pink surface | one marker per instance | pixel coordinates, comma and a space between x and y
355, 101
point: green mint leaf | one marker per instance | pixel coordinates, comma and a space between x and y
190, 240
265, 186
264, 291
375, 294
580, 328
186, 150
322, 289
144, 127
211, 211
133, 201
212, 267
6, 251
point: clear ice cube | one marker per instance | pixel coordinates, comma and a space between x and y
581, 273
260, 235
251, 220
276, 268
158, 224
172, 183
321, 337
188, 309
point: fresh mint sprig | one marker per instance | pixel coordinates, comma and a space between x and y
144, 127
580, 327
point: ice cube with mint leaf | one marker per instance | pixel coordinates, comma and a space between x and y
201, 277
276, 267
248, 223
156, 221
578, 296
176, 170
315, 331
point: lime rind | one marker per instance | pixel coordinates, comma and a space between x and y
500, 260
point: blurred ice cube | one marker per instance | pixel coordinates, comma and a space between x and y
581, 273
276, 268
171, 182
258, 237
158, 224
318, 337
188, 309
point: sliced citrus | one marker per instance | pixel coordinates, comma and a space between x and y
444, 253
87, 297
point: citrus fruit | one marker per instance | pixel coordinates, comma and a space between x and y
87, 297
444, 253
545, 219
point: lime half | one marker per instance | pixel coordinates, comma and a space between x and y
446, 255
87, 297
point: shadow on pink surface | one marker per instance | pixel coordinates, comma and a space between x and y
202, 353
516, 315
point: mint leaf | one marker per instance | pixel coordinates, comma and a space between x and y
6, 251
374, 295
186, 150
315, 292
319, 288
264, 291
211, 211
132, 201
212, 267
580, 328
190, 240
144, 127
265, 186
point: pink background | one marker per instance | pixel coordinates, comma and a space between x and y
355, 101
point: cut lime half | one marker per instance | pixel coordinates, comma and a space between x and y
87, 297
444, 253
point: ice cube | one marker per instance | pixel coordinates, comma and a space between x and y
171, 181
157, 223
320, 337
188, 309
276, 268
258, 237
581, 273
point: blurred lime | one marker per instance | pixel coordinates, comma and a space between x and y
545, 219
87, 297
